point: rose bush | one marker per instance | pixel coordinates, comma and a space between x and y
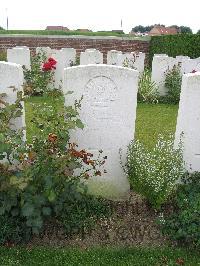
40, 79
38, 180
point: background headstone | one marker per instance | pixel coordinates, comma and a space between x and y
160, 65
189, 65
46, 50
65, 57
139, 62
91, 56
134, 61
115, 57
20, 55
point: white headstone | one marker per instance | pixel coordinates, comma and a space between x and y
129, 60
115, 57
139, 62
191, 64
20, 55
108, 111
54, 52
182, 58
11, 81
188, 121
134, 61
160, 65
65, 57
91, 56
46, 50
160, 55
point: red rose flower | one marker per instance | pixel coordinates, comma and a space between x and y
46, 66
49, 65
52, 61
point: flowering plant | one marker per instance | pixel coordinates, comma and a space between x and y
49, 65
43, 182
40, 79
154, 174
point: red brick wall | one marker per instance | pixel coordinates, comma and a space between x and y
80, 43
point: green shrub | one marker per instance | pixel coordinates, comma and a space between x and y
82, 212
184, 224
154, 173
173, 45
38, 180
147, 89
173, 81
13, 230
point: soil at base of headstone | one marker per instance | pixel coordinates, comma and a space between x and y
133, 223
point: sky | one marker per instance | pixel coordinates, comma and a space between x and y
98, 15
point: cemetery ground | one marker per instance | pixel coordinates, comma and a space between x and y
114, 241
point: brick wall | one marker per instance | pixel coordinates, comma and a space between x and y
80, 43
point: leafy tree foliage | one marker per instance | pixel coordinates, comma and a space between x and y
142, 29
185, 29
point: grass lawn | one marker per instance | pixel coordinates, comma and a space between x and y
75, 32
155, 119
99, 256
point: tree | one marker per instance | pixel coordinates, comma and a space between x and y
198, 32
185, 29
142, 29
1, 28
174, 26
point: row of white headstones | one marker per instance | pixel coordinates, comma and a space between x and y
108, 111
162, 63
66, 57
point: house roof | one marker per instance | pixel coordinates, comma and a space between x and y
56, 28
164, 30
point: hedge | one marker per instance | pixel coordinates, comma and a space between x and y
173, 45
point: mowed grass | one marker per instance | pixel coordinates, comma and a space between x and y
151, 119
75, 32
155, 119
99, 256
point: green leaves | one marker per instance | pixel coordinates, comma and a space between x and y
79, 124
27, 209
183, 223
173, 45
173, 80
51, 196
46, 211
147, 89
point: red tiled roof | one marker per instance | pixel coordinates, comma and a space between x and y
56, 28
164, 30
